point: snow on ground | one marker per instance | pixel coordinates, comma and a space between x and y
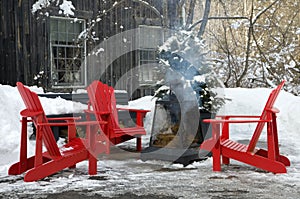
123, 174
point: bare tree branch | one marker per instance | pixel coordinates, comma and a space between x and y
248, 46
263, 11
252, 21
216, 18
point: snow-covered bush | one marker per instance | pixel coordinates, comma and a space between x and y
185, 53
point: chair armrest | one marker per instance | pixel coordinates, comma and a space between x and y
140, 114
216, 121
88, 111
64, 118
273, 110
84, 123
133, 110
237, 116
27, 113
98, 113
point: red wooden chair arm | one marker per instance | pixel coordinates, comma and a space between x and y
273, 110
216, 121
88, 111
85, 123
226, 117
64, 118
225, 125
28, 113
98, 113
133, 110
140, 114
102, 113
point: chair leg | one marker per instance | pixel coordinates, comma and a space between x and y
216, 157
216, 151
139, 144
23, 148
18, 167
225, 135
107, 144
225, 160
92, 164
73, 166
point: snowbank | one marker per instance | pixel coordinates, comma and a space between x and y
243, 101
10, 106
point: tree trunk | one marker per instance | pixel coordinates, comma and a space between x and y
190, 17
248, 49
205, 18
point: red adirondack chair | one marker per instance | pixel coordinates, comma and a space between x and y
54, 158
103, 102
220, 144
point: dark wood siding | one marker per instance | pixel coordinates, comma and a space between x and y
24, 37
24, 50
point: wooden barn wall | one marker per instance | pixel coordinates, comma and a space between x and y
24, 39
128, 15
23, 49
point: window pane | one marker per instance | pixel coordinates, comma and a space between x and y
61, 26
144, 55
152, 55
77, 64
53, 25
70, 27
61, 52
78, 27
61, 37
148, 62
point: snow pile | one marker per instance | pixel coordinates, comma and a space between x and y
243, 102
10, 106
66, 7
61, 106
39, 5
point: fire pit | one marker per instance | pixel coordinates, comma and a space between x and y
185, 98
169, 141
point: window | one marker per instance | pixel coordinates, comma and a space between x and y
148, 63
150, 37
68, 67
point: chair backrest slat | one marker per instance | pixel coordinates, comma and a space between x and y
114, 110
102, 99
259, 128
33, 104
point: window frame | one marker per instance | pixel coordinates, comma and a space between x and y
83, 68
156, 37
